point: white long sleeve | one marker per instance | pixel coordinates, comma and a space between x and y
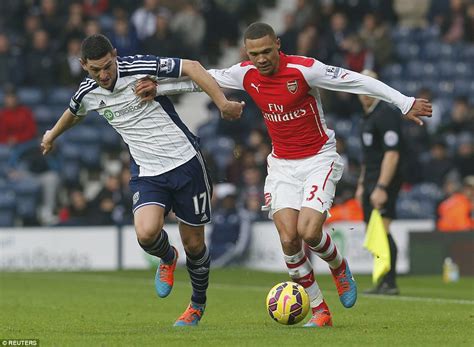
335, 78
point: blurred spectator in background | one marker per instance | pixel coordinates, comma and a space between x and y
40, 62
289, 36
356, 56
438, 164
189, 25
453, 22
461, 118
469, 23
95, 8
456, 213
163, 39
411, 14
51, 19
464, 156
108, 199
123, 36
70, 72
230, 235
32, 24
11, 68
74, 27
18, 130
17, 124
335, 36
311, 44
144, 19
92, 27
376, 37
77, 210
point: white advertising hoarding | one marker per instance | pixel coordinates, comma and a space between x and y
265, 250
71, 248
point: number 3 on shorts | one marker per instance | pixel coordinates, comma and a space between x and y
313, 191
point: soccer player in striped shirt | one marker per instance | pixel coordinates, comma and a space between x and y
304, 167
167, 168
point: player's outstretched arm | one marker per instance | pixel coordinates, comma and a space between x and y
420, 108
229, 109
67, 120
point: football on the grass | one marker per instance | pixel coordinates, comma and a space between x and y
287, 303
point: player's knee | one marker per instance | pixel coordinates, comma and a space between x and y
193, 246
310, 230
148, 232
290, 245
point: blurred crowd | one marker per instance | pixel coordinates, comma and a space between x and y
423, 48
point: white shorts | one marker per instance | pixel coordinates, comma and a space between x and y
309, 182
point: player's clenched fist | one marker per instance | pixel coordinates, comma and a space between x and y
232, 110
145, 89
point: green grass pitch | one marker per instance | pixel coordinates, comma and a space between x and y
122, 309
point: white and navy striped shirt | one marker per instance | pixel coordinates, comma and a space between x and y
157, 138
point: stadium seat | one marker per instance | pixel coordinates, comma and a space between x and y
401, 34
221, 148
343, 128
30, 96
463, 87
354, 148
431, 50
27, 193
91, 155
446, 69
70, 170
415, 69
60, 96
408, 50
110, 139
464, 70
5, 153
392, 71
467, 53
70, 151
444, 88
83, 134
207, 131
7, 218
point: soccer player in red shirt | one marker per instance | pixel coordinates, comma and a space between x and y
304, 167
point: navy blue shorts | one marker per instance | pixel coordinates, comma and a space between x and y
187, 190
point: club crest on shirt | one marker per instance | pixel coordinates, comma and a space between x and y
292, 86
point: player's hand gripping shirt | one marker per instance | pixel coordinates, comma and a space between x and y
290, 101
157, 139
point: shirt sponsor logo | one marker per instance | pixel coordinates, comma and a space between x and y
292, 86
109, 115
285, 117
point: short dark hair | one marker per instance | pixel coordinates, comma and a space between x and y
258, 30
95, 47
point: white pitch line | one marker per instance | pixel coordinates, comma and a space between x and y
227, 286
